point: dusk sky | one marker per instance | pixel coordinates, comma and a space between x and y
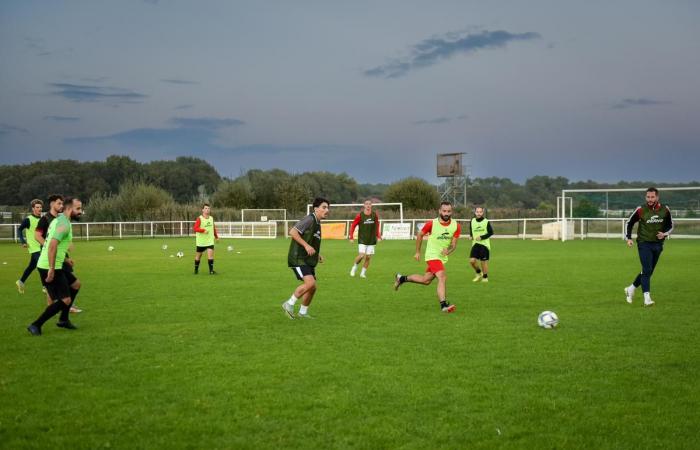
602, 90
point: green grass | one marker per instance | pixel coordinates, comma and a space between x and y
165, 359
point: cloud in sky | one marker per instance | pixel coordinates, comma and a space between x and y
6, 129
62, 118
439, 120
636, 102
88, 93
183, 106
435, 49
190, 134
177, 81
205, 122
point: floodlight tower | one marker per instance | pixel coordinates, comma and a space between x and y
451, 168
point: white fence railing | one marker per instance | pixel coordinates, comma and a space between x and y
523, 228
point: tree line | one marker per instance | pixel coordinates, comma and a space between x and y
120, 188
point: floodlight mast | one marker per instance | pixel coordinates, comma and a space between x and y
563, 197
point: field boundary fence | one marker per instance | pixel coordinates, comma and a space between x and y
520, 228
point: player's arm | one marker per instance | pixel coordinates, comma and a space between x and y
39, 230
53, 246
294, 234
453, 243
216, 233
489, 232
198, 226
353, 226
419, 243
20, 231
667, 226
634, 218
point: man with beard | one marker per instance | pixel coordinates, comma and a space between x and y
58, 282
443, 233
55, 208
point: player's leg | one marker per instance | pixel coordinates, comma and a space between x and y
656, 250
475, 265
57, 288
305, 291
309, 288
369, 251
210, 260
357, 260
424, 279
485, 270
646, 257
442, 292
33, 259
197, 257
74, 282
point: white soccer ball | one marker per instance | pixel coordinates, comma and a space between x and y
548, 319
230, 248
110, 248
165, 246
180, 254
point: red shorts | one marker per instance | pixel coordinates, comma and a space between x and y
435, 266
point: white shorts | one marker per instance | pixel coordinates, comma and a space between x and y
367, 249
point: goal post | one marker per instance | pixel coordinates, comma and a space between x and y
617, 204
360, 205
263, 214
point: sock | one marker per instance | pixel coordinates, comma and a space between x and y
486, 275
354, 266
49, 312
303, 309
292, 300
444, 303
363, 271
478, 271
196, 265
211, 265
632, 287
403, 279
647, 296
65, 311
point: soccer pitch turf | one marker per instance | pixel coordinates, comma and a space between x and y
166, 359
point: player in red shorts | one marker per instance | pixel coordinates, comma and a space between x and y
443, 233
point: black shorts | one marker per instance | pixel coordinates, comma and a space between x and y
301, 271
59, 287
67, 270
202, 249
480, 252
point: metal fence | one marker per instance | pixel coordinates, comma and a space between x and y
585, 228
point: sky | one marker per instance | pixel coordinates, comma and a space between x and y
601, 90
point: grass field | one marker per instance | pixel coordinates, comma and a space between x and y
165, 359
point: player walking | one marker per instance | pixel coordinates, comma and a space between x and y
58, 282
655, 225
480, 231
367, 237
204, 239
30, 243
442, 241
304, 254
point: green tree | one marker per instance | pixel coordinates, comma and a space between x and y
586, 208
415, 193
233, 194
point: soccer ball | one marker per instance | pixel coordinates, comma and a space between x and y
230, 248
548, 319
180, 254
110, 248
165, 246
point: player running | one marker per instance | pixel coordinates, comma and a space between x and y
480, 230
367, 237
304, 255
442, 241
204, 240
30, 243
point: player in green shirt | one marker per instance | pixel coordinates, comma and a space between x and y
304, 254
50, 265
480, 231
30, 243
443, 234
